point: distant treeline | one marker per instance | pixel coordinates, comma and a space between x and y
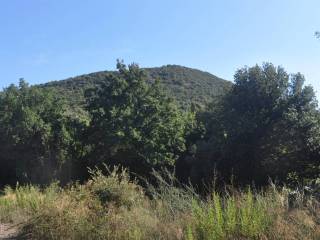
267, 125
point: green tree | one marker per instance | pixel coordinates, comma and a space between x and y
134, 123
267, 125
34, 137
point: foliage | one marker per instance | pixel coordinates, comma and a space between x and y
188, 86
266, 126
115, 189
35, 141
133, 123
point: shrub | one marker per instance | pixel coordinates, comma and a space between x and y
116, 188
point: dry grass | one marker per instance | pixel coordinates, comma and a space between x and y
114, 207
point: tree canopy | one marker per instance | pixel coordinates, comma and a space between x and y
266, 126
34, 136
135, 123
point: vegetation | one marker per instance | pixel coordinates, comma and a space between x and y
114, 207
135, 122
223, 155
266, 126
188, 86
37, 140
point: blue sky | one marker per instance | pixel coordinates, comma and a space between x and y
43, 40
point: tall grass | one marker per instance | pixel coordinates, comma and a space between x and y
115, 207
23, 201
229, 216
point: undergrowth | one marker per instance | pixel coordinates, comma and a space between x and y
113, 206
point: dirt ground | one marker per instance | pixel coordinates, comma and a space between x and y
8, 231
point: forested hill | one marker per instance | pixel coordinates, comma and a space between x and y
187, 85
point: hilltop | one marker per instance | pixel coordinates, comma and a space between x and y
186, 85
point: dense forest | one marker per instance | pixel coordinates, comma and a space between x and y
264, 126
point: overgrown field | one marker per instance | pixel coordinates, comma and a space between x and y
114, 207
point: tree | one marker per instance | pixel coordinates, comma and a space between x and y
34, 137
134, 123
266, 126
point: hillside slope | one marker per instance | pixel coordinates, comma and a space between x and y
186, 85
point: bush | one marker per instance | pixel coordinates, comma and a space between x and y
116, 188
106, 207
